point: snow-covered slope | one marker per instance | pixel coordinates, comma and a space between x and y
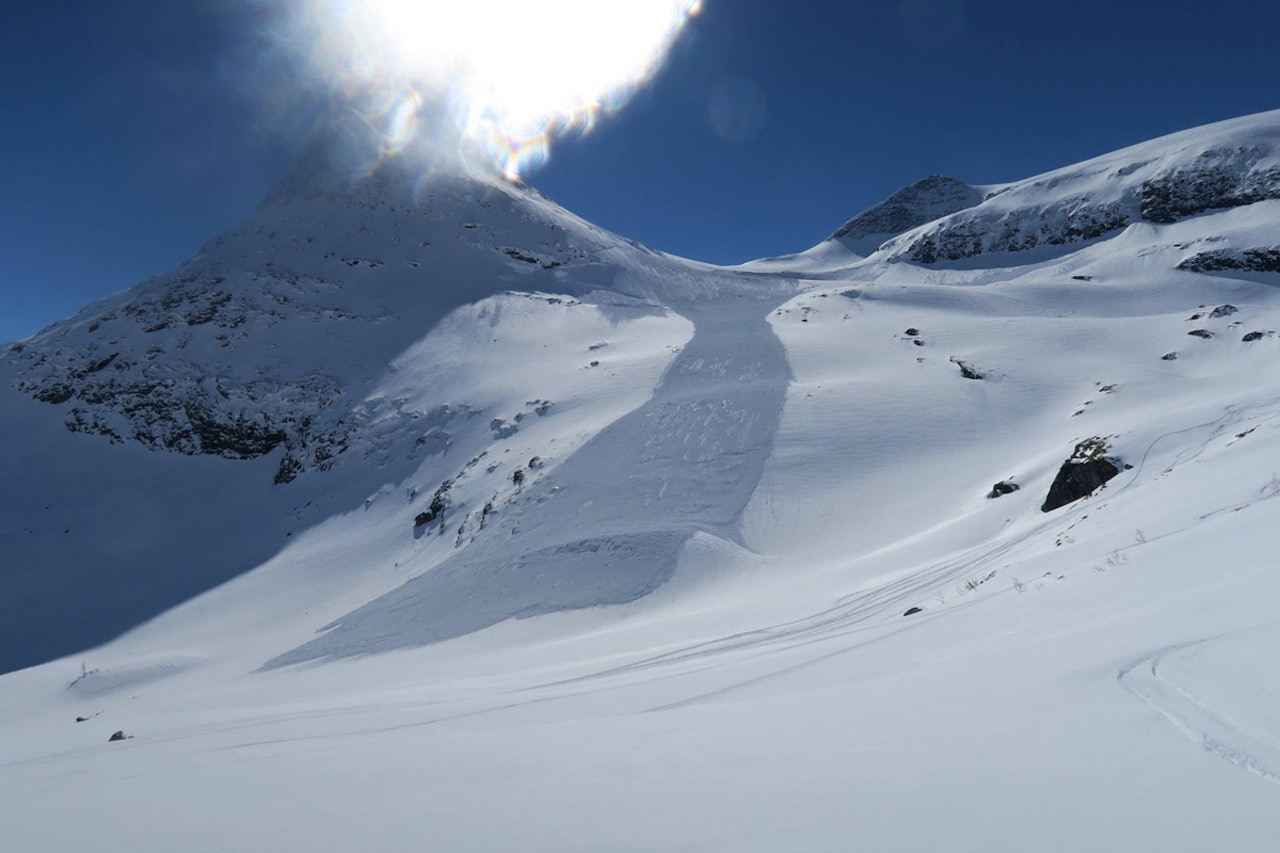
555, 542
393, 332
924, 201
275, 334
1230, 164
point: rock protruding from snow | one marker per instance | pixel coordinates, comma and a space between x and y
1001, 489
1224, 260
1086, 471
910, 207
1229, 176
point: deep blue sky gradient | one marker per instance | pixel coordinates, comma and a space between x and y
131, 131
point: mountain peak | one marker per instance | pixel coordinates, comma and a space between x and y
910, 207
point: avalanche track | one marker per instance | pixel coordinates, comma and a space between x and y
608, 526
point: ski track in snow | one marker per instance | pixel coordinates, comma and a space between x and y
1208, 727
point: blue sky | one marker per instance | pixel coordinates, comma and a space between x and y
133, 130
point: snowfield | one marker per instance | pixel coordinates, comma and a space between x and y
429, 516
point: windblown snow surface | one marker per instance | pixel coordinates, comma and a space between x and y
431, 517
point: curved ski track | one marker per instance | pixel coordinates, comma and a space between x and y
1211, 729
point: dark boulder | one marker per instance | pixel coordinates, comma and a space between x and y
117, 736
1251, 337
913, 611
1002, 488
1201, 333
1080, 476
968, 371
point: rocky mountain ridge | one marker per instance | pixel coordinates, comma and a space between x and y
1231, 164
269, 338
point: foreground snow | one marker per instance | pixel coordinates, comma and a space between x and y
779, 462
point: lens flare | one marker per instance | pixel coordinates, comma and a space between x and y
496, 80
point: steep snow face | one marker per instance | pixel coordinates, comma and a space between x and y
1220, 166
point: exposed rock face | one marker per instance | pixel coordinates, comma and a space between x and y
128, 374
1098, 198
1222, 260
1017, 231
910, 207
266, 341
1217, 179
1084, 473
1216, 314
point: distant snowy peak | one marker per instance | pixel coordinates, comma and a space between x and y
1220, 166
922, 202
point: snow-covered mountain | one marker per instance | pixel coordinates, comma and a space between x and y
923, 202
1234, 164
420, 508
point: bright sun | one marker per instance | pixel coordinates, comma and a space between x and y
507, 75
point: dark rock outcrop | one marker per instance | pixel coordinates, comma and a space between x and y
968, 371
1086, 471
1001, 489
1217, 179
1017, 231
1226, 260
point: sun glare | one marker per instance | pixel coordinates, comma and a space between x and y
505, 76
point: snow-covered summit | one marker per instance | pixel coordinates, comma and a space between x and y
274, 334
